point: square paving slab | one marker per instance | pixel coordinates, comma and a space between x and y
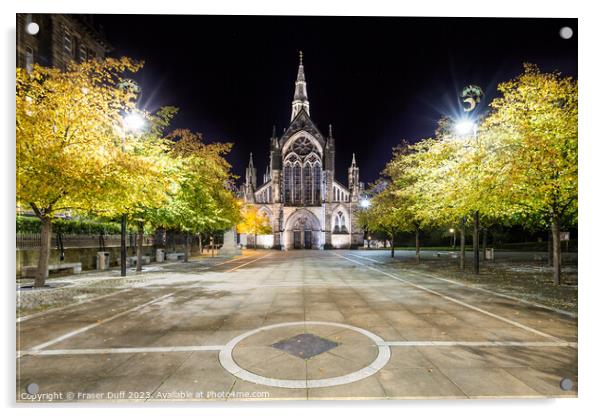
305, 345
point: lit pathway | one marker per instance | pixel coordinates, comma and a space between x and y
297, 325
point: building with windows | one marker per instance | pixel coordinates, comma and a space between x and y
54, 40
305, 204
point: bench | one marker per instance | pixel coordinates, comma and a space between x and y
132, 260
174, 256
30, 271
452, 254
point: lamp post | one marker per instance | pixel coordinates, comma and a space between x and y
453, 232
365, 204
132, 122
471, 96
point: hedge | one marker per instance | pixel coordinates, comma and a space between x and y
31, 225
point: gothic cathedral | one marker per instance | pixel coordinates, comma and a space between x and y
305, 204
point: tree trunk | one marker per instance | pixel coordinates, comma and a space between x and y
139, 247
392, 245
46, 236
201, 244
475, 243
417, 245
123, 246
255, 241
484, 243
462, 243
550, 249
556, 251
186, 247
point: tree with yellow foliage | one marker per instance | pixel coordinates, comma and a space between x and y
533, 129
69, 155
201, 199
520, 167
254, 222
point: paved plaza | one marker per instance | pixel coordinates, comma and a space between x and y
295, 325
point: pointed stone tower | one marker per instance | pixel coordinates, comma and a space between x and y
354, 180
250, 181
300, 101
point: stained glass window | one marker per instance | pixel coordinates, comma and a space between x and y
297, 195
317, 184
307, 194
288, 184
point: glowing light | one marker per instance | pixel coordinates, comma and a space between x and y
451, 230
566, 32
465, 127
133, 122
365, 203
32, 28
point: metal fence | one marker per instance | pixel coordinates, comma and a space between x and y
33, 241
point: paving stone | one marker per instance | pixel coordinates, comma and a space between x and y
488, 382
417, 383
301, 286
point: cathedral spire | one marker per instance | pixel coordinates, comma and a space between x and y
354, 179
300, 100
250, 180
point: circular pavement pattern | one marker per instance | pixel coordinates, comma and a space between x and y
227, 360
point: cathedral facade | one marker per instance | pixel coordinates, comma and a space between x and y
306, 206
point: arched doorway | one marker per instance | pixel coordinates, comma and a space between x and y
302, 231
302, 235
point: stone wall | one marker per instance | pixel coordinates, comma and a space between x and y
341, 240
87, 255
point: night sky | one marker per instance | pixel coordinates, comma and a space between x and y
376, 80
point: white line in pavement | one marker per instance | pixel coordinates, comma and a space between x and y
503, 295
365, 258
459, 302
94, 325
36, 315
252, 261
200, 348
60, 308
229, 261
103, 321
480, 344
91, 351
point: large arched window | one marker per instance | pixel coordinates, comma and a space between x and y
288, 184
297, 191
317, 184
302, 177
339, 223
307, 184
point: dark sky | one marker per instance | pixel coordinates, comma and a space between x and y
377, 80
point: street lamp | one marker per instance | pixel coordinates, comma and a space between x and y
365, 204
471, 96
453, 232
132, 122
465, 126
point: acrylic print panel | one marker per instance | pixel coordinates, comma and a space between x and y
209, 208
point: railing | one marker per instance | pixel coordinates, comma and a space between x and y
32, 241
